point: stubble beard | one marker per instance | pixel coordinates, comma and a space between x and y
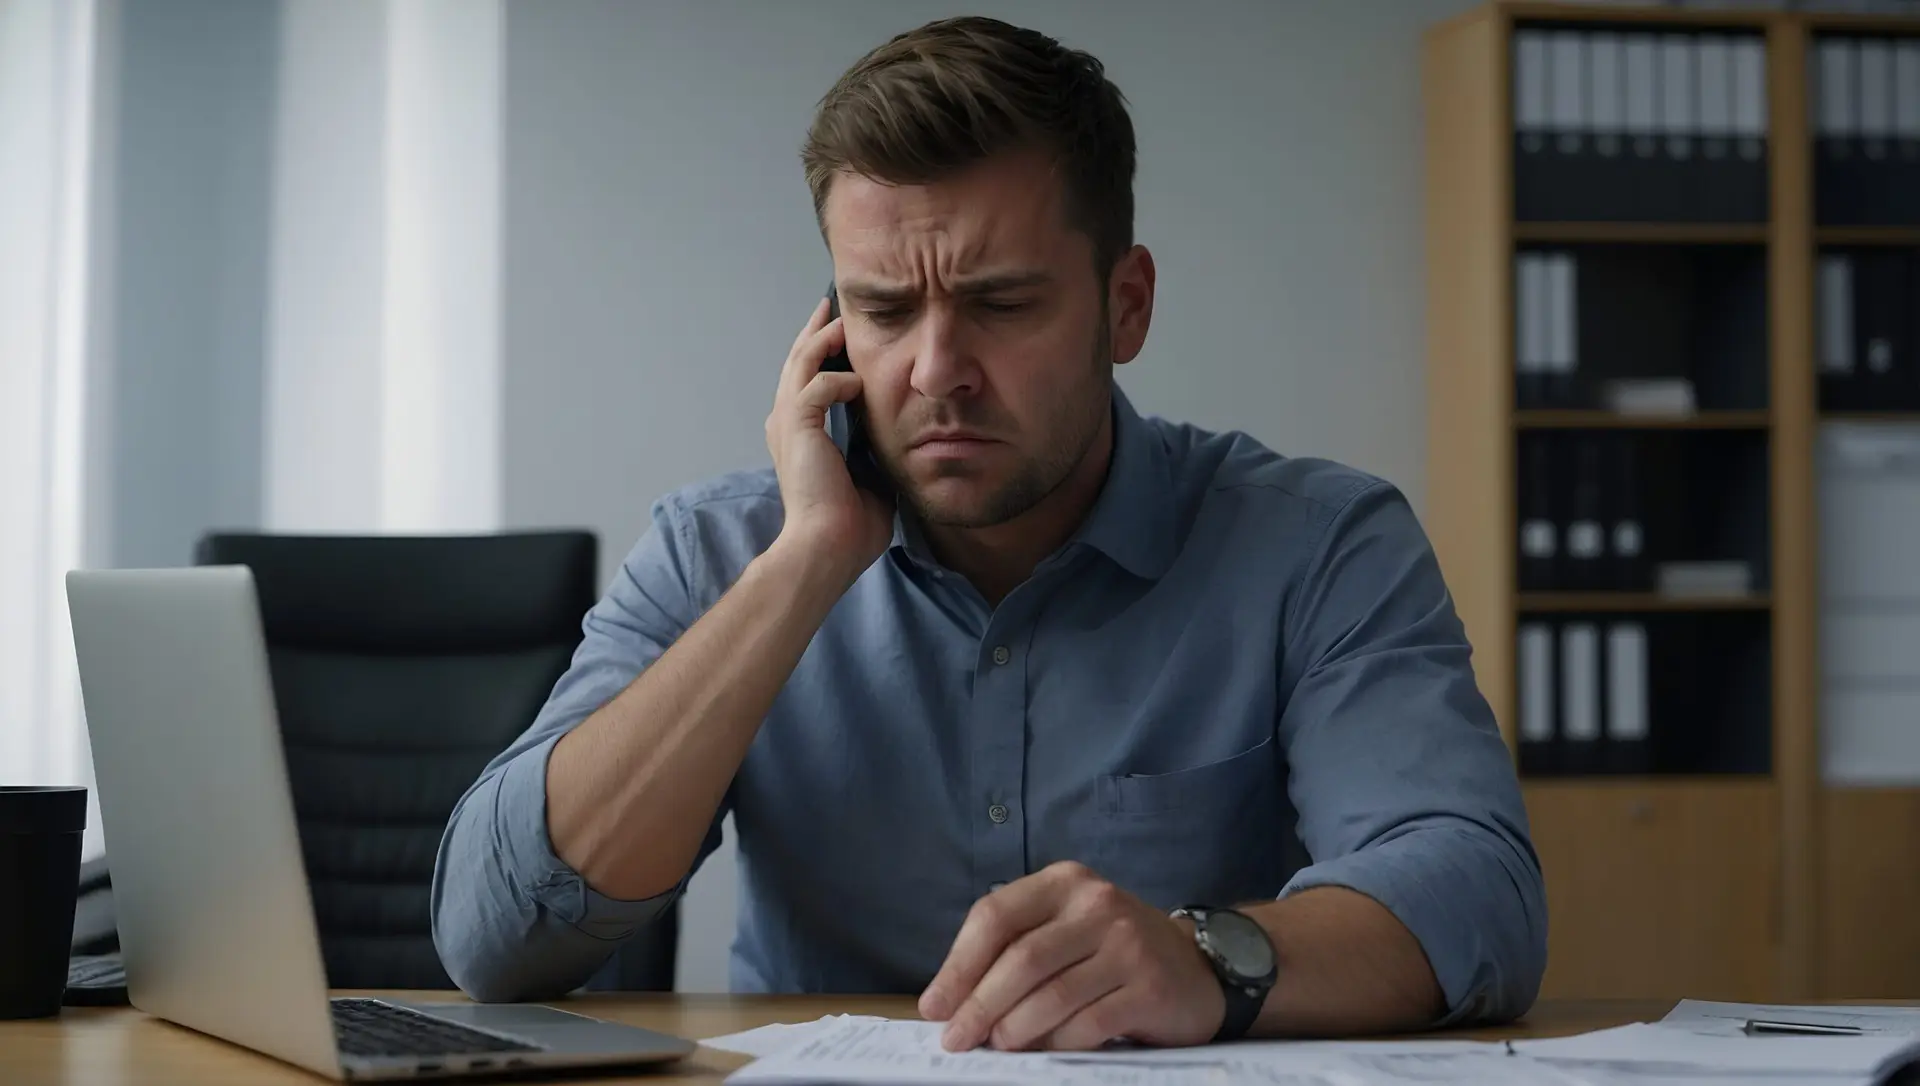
1038, 476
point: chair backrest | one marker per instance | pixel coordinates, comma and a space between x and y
401, 666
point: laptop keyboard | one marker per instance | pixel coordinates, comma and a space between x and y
370, 1027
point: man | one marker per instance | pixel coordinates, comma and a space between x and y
979, 746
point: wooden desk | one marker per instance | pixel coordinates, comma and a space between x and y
110, 1046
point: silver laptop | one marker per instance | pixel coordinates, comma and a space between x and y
216, 925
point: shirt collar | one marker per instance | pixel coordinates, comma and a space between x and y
1131, 522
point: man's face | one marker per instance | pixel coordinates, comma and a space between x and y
978, 327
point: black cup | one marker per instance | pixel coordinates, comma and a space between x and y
40, 832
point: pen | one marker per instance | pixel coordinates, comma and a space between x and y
1818, 1029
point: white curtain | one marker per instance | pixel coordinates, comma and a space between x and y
378, 382
47, 107
382, 389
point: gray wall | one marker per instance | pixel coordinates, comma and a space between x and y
192, 139
660, 250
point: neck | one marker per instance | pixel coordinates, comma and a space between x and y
998, 558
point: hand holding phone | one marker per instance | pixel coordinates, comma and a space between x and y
847, 422
810, 433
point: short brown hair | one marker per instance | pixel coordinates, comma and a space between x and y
937, 99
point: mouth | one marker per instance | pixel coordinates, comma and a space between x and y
951, 444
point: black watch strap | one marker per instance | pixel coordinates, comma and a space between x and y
1243, 1007
1244, 998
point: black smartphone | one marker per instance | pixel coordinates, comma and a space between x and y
847, 423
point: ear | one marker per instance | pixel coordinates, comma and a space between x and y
1130, 303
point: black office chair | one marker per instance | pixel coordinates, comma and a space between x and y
401, 666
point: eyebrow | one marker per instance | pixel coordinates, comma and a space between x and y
868, 291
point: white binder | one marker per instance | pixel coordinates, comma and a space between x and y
1679, 116
1906, 89
1530, 334
1567, 107
1563, 314
1580, 681
1876, 93
1836, 314
1607, 96
1750, 95
1530, 76
1713, 69
1536, 682
1641, 54
1835, 114
1627, 715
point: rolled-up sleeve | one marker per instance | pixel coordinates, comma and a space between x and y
1404, 788
511, 920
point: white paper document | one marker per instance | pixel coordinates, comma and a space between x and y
910, 1053
857, 1050
1643, 1045
1614, 1074
1497, 1068
780, 1036
1347, 1063
1730, 1019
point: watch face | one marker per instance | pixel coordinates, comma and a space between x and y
1242, 946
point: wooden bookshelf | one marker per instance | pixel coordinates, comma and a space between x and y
1636, 602
1611, 420
1551, 11
1859, 22
1867, 940
1764, 886
1861, 236
1908, 417
1669, 884
1640, 233
1796, 694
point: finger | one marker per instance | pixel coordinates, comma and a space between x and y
816, 320
809, 352
1096, 1023
1026, 966
1046, 1005
993, 923
807, 409
827, 389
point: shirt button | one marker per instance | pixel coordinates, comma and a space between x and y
997, 812
1001, 655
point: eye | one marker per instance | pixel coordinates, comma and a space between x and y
887, 315
1003, 307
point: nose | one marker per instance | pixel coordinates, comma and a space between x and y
942, 366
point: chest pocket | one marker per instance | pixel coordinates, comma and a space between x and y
1211, 835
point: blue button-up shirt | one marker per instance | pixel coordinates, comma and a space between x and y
1242, 677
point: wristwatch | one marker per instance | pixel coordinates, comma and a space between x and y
1242, 957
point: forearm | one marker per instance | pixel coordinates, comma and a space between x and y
631, 791
1347, 967
508, 921
1441, 898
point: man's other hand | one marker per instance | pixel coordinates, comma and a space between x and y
1064, 959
